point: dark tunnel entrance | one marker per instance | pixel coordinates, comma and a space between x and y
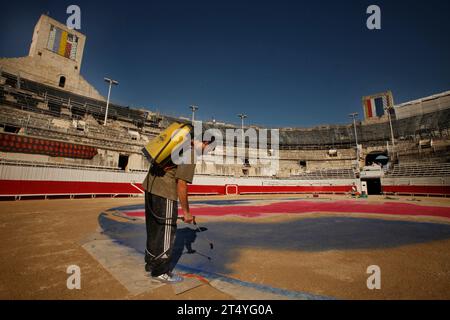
373, 186
380, 158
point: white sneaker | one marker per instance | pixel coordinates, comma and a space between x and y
169, 277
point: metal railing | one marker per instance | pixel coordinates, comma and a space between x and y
420, 170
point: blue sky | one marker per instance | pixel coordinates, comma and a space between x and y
284, 63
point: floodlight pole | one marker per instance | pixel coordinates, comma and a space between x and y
353, 116
388, 110
242, 116
111, 82
193, 108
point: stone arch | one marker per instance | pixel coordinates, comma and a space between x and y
380, 157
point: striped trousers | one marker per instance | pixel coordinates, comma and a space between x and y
161, 224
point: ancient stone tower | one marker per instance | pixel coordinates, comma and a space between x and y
54, 59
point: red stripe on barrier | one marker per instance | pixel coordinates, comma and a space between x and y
417, 189
206, 189
26, 187
30, 187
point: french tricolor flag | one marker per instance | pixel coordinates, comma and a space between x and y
374, 107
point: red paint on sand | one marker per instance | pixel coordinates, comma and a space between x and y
301, 207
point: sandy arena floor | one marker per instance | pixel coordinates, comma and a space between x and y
320, 248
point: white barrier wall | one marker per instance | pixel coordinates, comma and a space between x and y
428, 181
12, 172
220, 181
35, 173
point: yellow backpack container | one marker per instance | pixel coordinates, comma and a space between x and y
159, 149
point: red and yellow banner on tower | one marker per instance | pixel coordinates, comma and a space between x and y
62, 42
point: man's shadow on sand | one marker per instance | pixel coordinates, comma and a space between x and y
185, 238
